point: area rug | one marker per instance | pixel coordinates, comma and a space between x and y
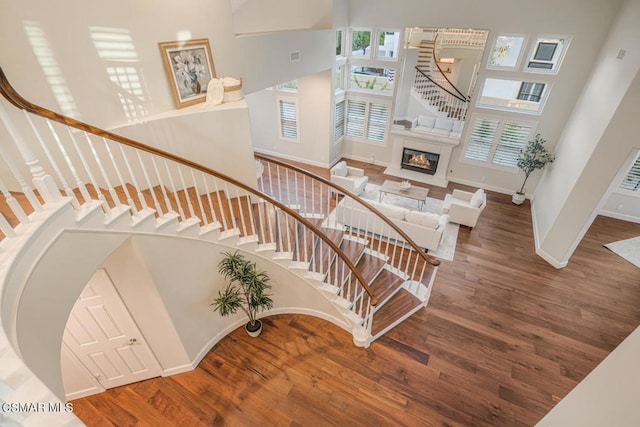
628, 249
447, 248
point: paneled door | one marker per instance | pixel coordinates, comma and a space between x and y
103, 336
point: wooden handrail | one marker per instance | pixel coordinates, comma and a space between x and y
428, 258
17, 100
440, 86
435, 61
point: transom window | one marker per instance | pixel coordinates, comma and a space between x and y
372, 79
506, 52
513, 95
360, 43
497, 141
547, 54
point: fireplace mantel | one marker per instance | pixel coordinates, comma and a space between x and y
423, 142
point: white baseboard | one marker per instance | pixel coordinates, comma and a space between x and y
536, 239
178, 370
618, 215
364, 159
483, 185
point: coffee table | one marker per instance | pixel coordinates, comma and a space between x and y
415, 193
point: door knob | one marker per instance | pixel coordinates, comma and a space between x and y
132, 341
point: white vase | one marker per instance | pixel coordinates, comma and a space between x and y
518, 198
252, 331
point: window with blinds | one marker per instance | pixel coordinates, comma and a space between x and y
356, 118
377, 123
497, 142
512, 138
288, 119
632, 180
339, 130
366, 120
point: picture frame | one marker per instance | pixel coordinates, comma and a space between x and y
189, 67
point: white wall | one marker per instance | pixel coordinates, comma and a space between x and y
315, 110
598, 138
259, 16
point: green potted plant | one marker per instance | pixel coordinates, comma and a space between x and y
532, 157
245, 290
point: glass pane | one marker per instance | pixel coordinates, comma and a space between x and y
481, 139
547, 54
360, 43
339, 43
545, 51
506, 51
388, 44
355, 118
513, 95
512, 139
373, 79
377, 125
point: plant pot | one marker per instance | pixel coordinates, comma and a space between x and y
254, 330
518, 198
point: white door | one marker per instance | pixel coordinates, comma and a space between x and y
101, 333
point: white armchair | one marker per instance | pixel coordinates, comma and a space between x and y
352, 179
464, 207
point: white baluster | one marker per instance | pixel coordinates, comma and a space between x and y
149, 185
206, 189
47, 188
110, 189
13, 204
244, 224
172, 187
195, 187
192, 213
123, 184
65, 186
134, 181
224, 217
234, 223
270, 180
167, 202
5, 227
99, 195
72, 168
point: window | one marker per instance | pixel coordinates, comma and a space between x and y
497, 141
506, 52
288, 119
291, 86
339, 120
339, 43
547, 54
360, 43
340, 78
367, 120
632, 180
388, 44
513, 95
374, 79
531, 91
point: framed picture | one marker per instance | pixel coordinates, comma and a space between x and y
189, 67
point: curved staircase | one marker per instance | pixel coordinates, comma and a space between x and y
89, 179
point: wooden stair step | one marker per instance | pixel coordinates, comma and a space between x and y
395, 309
323, 255
385, 285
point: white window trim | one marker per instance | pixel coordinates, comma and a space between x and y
521, 55
542, 103
502, 120
350, 40
338, 100
532, 50
344, 38
294, 101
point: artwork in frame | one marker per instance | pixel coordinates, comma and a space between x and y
189, 67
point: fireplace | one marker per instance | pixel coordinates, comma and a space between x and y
419, 161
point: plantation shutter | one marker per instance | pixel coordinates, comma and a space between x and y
632, 180
339, 120
377, 122
288, 119
355, 118
512, 139
483, 132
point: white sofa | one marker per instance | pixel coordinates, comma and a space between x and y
348, 177
464, 207
424, 228
441, 126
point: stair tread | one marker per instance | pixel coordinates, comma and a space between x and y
385, 285
396, 308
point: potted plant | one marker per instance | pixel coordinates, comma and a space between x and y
532, 157
245, 290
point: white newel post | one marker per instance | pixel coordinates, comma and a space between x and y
41, 180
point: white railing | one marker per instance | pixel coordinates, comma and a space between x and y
447, 37
445, 101
317, 197
94, 169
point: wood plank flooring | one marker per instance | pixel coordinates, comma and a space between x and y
504, 338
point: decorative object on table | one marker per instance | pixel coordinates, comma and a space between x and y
215, 92
245, 290
532, 157
405, 185
189, 67
232, 89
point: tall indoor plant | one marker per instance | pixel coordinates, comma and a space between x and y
532, 157
245, 290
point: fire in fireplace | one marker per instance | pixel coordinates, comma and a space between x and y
420, 161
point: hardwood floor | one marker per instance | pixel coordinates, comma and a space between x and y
504, 338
